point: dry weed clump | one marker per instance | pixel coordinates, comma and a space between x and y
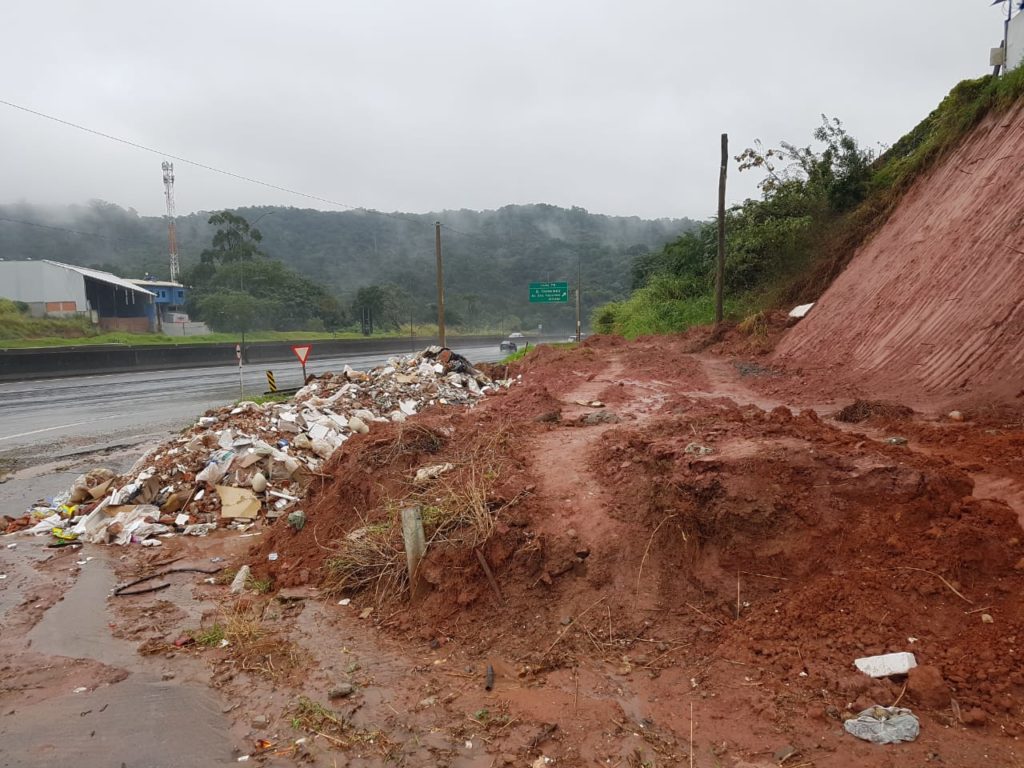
862, 410
410, 439
756, 326
459, 509
314, 718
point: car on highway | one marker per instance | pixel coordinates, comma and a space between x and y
516, 335
507, 345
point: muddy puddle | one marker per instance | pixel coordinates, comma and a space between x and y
120, 711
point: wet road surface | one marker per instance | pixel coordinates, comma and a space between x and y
69, 416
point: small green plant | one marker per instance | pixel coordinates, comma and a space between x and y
211, 636
263, 586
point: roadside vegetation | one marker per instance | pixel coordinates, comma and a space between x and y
818, 204
16, 324
29, 333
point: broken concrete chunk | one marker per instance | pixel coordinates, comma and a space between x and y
887, 664
698, 450
199, 529
318, 432
241, 578
322, 448
258, 483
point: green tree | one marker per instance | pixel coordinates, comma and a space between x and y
389, 306
237, 312
233, 241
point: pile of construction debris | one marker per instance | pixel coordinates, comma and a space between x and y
251, 462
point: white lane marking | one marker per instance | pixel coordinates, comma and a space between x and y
59, 426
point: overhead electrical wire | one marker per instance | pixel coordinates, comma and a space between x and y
223, 172
207, 167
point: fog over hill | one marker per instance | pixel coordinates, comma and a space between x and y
490, 256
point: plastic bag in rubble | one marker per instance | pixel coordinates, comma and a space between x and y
216, 467
884, 725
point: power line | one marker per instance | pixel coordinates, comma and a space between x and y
121, 240
55, 229
204, 166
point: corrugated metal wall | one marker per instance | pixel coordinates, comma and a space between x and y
36, 282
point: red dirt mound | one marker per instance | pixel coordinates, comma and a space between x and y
687, 548
934, 303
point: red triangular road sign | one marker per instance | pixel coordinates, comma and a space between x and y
302, 352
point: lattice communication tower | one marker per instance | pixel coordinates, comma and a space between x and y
172, 235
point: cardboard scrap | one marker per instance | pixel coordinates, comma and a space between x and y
237, 502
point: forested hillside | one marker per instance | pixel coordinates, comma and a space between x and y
490, 256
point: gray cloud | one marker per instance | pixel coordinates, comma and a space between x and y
615, 106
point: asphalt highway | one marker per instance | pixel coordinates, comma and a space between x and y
69, 416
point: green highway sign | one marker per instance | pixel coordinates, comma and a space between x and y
549, 293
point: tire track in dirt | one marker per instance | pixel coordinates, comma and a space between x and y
561, 458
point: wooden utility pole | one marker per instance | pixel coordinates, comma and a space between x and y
440, 284
720, 272
579, 286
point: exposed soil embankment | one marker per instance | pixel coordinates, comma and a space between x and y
631, 530
933, 305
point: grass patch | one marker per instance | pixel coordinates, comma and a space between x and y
211, 636
515, 356
22, 332
662, 306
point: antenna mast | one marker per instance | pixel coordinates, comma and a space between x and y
172, 235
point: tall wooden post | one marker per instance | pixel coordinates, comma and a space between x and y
440, 284
720, 272
579, 286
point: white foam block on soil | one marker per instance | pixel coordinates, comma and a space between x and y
886, 664
801, 310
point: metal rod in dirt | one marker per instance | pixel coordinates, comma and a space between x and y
720, 272
440, 284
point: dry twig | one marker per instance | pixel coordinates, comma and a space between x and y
940, 578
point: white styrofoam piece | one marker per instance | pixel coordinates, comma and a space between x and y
886, 664
801, 310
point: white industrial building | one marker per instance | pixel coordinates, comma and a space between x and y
53, 289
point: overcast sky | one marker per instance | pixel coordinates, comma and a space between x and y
616, 106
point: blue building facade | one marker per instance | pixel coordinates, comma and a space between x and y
169, 298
